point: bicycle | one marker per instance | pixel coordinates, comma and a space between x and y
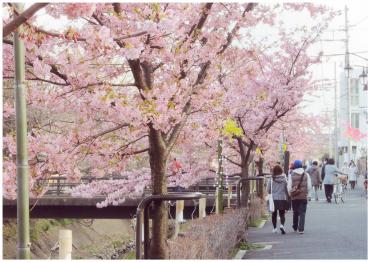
365, 188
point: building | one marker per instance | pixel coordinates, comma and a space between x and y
358, 112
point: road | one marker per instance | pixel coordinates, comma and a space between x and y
332, 231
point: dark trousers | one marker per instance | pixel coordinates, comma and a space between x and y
329, 192
352, 184
299, 207
281, 215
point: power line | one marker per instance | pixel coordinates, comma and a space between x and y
359, 22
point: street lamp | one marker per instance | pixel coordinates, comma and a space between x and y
363, 77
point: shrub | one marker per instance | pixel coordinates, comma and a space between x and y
65, 221
9, 230
212, 237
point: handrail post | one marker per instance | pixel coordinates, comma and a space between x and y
138, 233
144, 207
146, 231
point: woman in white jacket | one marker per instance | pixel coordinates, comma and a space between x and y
352, 174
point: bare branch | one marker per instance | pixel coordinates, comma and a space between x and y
130, 143
135, 152
95, 84
232, 161
22, 18
102, 133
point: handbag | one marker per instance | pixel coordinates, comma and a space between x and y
271, 200
296, 190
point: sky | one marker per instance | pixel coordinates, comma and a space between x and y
358, 43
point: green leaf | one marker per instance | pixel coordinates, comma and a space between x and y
231, 129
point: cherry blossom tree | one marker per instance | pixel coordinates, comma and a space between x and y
128, 79
273, 84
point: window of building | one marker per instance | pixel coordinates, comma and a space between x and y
355, 120
354, 92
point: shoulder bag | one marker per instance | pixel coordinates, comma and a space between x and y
296, 189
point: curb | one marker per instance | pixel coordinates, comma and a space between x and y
240, 254
263, 222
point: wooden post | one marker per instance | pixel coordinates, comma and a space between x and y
65, 244
229, 195
202, 207
217, 206
180, 210
286, 162
179, 216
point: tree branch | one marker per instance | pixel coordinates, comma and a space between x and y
232, 161
132, 142
101, 134
135, 152
22, 18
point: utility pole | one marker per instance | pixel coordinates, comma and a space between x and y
23, 218
282, 148
348, 80
335, 116
220, 197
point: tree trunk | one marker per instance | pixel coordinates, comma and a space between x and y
260, 166
158, 162
245, 186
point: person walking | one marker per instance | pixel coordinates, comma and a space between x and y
277, 186
345, 171
299, 186
315, 177
352, 174
323, 169
331, 172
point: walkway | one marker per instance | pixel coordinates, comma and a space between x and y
332, 231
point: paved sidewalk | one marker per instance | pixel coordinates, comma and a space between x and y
332, 231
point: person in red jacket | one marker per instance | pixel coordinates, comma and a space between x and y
176, 167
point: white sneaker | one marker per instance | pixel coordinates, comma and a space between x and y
282, 229
274, 231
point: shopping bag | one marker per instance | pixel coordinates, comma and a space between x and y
271, 203
271, 206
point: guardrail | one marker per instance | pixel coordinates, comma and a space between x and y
58, 184
143, 212
259, 182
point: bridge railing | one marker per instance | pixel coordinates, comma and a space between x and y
59, 184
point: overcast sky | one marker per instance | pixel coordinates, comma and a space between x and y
358, 43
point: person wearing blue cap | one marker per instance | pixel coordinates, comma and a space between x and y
299, 187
